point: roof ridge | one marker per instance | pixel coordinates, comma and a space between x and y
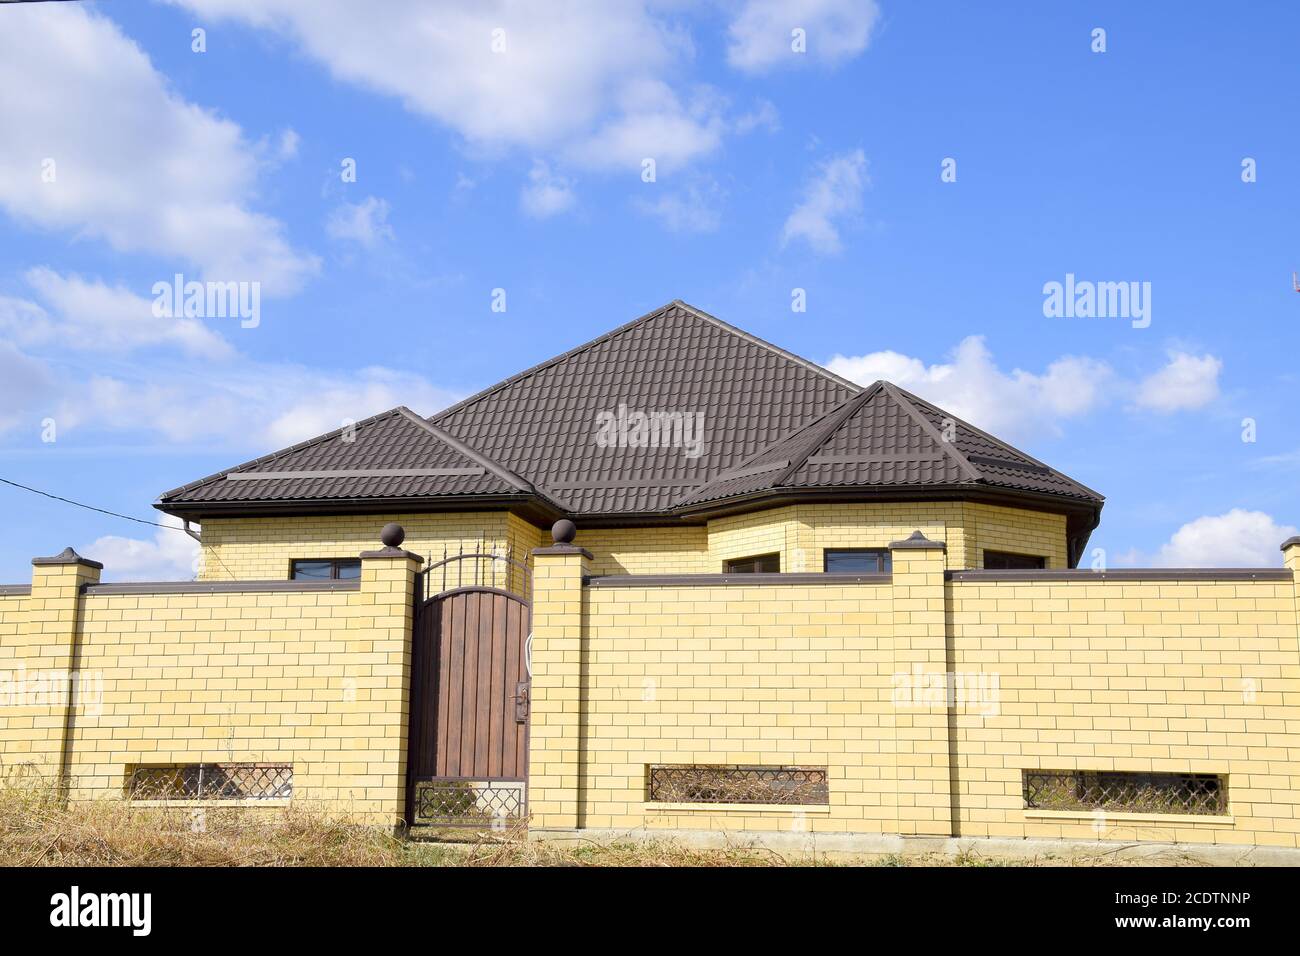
271, 456
553, 360
902, 400
687, 309
999, 442
755, 340
469, 451
792, 466
838, 416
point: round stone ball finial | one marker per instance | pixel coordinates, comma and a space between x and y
563, 531
392, 535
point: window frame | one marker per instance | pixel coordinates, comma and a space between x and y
1040, 558
728, 564
885, 563
334, 564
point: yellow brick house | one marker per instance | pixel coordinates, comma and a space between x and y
674, 579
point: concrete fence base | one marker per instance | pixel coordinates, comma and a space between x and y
802, 847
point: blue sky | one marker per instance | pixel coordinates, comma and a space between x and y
522, 170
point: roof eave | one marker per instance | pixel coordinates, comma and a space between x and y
774, 497
532, 507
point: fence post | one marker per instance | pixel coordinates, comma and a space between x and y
555, 744
48, 652
1291, 558
921, 688
388, 600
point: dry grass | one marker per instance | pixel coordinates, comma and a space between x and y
37, 829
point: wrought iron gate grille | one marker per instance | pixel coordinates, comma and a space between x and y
1118, 792
698, 783
480, 804
212, 781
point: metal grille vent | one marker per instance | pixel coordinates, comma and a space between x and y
1117, 792
212, 781
697, 783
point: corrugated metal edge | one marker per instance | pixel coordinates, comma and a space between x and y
1077, 576
217, 587
730, 580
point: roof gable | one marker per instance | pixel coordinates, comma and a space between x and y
393, 454
885, 438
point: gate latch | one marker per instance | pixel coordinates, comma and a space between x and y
521, 702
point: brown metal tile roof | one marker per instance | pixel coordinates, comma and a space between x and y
886, 438
390, 455
772, 422
543, 422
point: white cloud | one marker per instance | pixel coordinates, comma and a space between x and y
760, 36
1240, 538
365, 222
693, 209
586, 79
1187, 382
972, 387
763, 116
287, 148
170, 555
546, 193
833, 195
134, 163
88, 315
26, 384
257, 405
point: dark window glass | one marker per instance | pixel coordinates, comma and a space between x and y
326, 569
312, 570
759, 564
856, 560
1006, 561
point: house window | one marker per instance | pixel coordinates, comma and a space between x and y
326, 569
758, 564
1122, 792
212, 781
1006, 561
855, 560
700, 783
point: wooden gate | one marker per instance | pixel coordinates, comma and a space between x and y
468, 756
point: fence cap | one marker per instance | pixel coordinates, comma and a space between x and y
918, 541
1291, 542
68, 556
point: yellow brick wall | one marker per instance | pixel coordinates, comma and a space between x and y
262, 548
1134, 676
1184, 676
767, 675
18, 735
655, 550
1010, 529
316, 679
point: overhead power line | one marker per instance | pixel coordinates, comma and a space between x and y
113, 514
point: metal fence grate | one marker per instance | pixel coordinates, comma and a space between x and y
699, 783
1118, 792
212, 781
466, 803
